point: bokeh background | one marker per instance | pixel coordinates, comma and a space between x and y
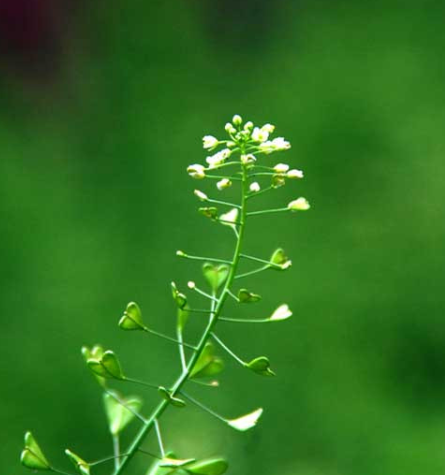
102, 107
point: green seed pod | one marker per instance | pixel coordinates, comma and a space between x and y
81, 466
260, 366
132, 318
215, 275
32, 456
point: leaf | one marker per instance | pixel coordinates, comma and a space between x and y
215, 275
283, 312
118, 414
173, 400
32, 456
81, 466
244, 296
107, 366
132, 318
208, 467
246, 422
260, 366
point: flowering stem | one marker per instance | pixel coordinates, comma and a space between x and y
216, 308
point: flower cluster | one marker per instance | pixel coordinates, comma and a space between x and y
241, 149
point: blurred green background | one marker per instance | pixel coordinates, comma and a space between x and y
102, 107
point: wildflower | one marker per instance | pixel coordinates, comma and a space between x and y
196, 171
209, 142
300, 204
230, 129
248, 126
259, 135
254, 187
294, 174
246, 159
281, 168
274, 145
215, 160
223, 184
269, 128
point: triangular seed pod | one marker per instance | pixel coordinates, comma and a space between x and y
215, 275
81, 466
283, 312
32, 456
132, 318
244, 296
118, 413
107, 367
246, 422
208, 467
173, 400
260, 366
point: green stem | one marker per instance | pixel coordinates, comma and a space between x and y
202, 258
216, 311
228, 350
168, 338
267, 211
256, 271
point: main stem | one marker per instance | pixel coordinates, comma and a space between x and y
214, 314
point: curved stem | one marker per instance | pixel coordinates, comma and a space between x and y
216, 307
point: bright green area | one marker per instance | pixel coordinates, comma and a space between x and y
94, 201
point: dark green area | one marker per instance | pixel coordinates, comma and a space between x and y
94, 202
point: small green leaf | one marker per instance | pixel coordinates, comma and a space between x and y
132, 318
179, 298
280, 259
167, 395
246, 422
215, 275
260, 365
209, 212
244, 296
107, 366
81, 466
208, 467
32, 456
118, 415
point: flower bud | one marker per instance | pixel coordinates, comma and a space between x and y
223, 184
254, 187
200, 195
269, 128
278, 181
248, 126
294, 174
209, 142
300, 204
237, 120
281, 168
230, 129
196, 171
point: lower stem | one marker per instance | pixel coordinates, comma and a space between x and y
214, 314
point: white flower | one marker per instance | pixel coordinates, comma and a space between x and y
209, 142
237, 120
254, 187
229, 218
294, 173
259, 135
224, 183
281, 313
215, 160
245, 159
300, 204
281, 168
269, 128
202, 196
191, 284
196, 171
274, 145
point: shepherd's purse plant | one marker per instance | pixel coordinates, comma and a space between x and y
243, 161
